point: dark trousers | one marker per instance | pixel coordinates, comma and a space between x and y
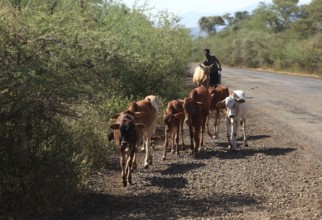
214, 79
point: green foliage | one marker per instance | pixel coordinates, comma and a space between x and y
208, 24
281, 36
65, 68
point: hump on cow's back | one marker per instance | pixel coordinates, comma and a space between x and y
154, 101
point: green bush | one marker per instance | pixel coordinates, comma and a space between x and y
65, 68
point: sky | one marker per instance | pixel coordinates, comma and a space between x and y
184, 6
187, 9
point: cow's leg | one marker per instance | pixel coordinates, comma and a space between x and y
197, 140
129, 165
182, 139
173, 146
207, 124
176, 134
234, 130
216, 126
134, 164
148, 156
191, 140
148, 149
123, 172
228, 129
165, 145
244, 132
202, 131
143, 146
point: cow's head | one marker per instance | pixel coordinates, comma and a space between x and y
125, 130
190, 106
230, 104
207, 69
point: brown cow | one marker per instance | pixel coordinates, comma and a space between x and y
149, 119
196, 109
173, 118
217, 94
127, 135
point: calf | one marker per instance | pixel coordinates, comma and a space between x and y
149, 119
127, 135
201, 75
217, 94
196, 109
173, 118
236, 113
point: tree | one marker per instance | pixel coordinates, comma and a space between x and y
284, 12
208, 24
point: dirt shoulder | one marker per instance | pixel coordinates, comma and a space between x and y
271, 179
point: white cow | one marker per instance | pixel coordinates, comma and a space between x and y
201, 75
236, 113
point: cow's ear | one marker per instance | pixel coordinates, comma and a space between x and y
139, 125
114, 126
221, 104
116, 116
240, 100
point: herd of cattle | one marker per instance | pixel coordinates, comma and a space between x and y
137, 124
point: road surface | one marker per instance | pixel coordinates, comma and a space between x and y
292, 99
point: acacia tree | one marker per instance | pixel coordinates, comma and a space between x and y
209, 24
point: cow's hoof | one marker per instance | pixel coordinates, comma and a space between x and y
124, 183
146, 166
164, 158
245, 145
214, 137
172, 151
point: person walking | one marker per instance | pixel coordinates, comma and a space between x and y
215, 78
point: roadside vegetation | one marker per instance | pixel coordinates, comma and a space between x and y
278, 36
65, 68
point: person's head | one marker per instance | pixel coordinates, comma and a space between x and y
207, 52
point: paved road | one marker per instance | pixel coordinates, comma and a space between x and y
294, 100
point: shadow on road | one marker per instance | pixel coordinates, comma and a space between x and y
165, 205
181, 168
248, 152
